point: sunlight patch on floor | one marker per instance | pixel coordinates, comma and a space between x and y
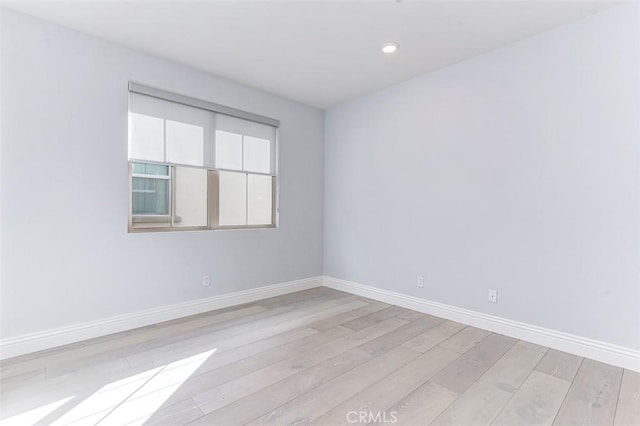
150, 397
109, 396
33, 416
133, 398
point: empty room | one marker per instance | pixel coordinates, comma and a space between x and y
266, 212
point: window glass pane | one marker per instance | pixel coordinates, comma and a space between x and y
150, 196
146, 137
190, 197
150, 169
259, 199
228, 150
257, 155
185, 143
233, 199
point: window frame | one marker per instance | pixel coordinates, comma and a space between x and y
168, 177
213, 187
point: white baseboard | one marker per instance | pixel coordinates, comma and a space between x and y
33, 342
589, 348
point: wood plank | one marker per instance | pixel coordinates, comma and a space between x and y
532, 346
536, 403
560, 364
593, 395
464, 371
229, 392
243, 334
104, 348
178, 414
477, 406
304, 298
374, 318
628, 410
152, 406
136, 411
189, 342
22, 379
401, 335
465, 339
337, 320
279, 393
56, 389
268, 316
422, 406
434, 336
89, 404
498, 384
286, 342
193, 383
382, 395
308, 407
78, 385
510, 371
38, 357
87, 421
411, 315
200, 383
237, 336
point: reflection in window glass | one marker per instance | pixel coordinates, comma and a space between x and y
150, 169
150, 196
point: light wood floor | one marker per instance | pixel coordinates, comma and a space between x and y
318, 356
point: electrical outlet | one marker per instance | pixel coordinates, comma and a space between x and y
492, 296
206, 282
420, 282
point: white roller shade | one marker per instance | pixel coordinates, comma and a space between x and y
170, 132
258, 148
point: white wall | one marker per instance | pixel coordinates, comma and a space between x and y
67, 257
516, 170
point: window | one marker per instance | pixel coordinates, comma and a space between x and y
198, 165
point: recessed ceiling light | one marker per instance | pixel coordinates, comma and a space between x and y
390, 47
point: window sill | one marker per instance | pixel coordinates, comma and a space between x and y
167, 228
154, 218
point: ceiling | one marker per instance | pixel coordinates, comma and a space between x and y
317, 53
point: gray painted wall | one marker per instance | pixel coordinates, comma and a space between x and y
516, 170
67, 257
